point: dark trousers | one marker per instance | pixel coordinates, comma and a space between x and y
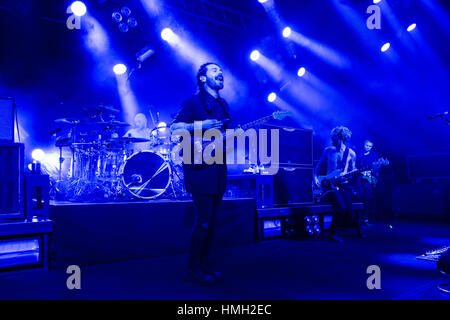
367, 194
206, 208
341, 200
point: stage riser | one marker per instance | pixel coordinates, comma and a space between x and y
88, 234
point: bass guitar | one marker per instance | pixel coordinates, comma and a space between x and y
335, 180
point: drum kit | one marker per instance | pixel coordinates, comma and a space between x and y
104, 167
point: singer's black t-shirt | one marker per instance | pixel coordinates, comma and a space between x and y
204, 179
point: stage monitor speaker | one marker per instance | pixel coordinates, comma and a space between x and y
11, 180
292, 185
295, 145
6, 119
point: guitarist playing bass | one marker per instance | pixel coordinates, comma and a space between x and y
338, 160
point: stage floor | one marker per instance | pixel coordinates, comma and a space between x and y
279, 269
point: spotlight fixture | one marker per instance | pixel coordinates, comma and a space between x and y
301, 72
132, 22
385, 47
124, 20
126, 12
272, 97
376, 1
287, 32
307, 219
411, 27
254, 56
116, 16
168, 35
38, 155
120, 69
123, 27
262, 1
78, 8
317, 229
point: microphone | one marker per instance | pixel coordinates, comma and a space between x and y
438, 115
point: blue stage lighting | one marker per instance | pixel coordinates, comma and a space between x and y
272, 97
262, 1
376, 1
317, 229
120, 69
168, 35
38, 155
411, 27
287, 32
301, 72
78, 8
255, 55
307, 219
385, 47
315, 219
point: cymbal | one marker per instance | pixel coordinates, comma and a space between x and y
112, 123
68, 121
128, 140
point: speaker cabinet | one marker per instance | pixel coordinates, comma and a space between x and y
292, 185
11, 180
6, 119
295, 145
429, 166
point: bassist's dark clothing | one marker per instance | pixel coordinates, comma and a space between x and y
341, 199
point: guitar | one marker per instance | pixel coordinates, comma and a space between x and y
334, 180
277, 115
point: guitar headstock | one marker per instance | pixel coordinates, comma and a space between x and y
380, 163
280, 115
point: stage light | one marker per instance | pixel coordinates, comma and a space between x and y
254, 56
168, 35
307, 219
315, 219
411, 27
301, 72
309, 230
376, 1
287, 32
262, 1
272, 97
126, 12
317, 229
38, 155
123, 27
120, 69
385, 47
116, 16
132, 22
78, 8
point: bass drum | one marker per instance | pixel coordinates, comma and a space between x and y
146, 175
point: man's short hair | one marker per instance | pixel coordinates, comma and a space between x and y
202, 72
341, 133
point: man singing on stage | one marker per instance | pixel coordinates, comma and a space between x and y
206, 182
